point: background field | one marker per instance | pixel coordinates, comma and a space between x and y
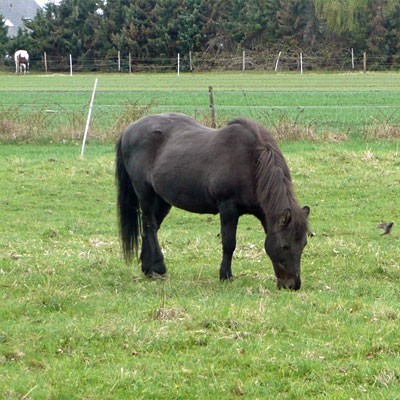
359, 105
76, 322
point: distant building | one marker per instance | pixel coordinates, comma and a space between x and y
14, 11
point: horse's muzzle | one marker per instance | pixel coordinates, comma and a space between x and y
289, 284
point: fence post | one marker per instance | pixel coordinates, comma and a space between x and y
130, 63
119, 61
365, 62
45, 62
301, 63
352, 58
190, 61
70, 64
179, 63
88, 118
212, 107
277, 61
244, 61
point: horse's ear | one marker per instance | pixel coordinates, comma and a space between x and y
285, 218
306, 211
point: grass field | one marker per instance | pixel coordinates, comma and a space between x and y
76, 322
357, 104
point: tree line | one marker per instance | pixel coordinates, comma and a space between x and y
95, 29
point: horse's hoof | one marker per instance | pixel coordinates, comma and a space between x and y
159, 268
226, 278
155, 276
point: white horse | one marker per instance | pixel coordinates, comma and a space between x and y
21, 58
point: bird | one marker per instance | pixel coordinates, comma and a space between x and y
387, 227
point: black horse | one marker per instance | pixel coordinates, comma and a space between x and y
172, 160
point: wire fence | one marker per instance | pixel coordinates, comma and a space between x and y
344, 60
302, 112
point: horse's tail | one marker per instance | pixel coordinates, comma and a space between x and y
130, 224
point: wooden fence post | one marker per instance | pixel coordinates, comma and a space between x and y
130, 63
212, 107
45, 62
365, 62
70, 64
352, 58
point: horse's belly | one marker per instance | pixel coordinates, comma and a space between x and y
193, 206
190, 196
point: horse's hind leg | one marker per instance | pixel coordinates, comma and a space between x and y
154, 210
161, 210
229, 218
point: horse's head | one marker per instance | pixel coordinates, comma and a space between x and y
284, 245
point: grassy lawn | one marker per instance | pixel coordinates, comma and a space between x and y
75, 322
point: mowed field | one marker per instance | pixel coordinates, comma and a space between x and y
76, 322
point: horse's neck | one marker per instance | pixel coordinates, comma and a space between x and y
275, 191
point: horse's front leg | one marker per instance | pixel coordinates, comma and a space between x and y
229, 217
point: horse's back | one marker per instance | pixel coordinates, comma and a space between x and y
22, 55
189, 165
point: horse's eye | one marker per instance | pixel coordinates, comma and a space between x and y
286, 247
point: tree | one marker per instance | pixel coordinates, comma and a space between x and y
383, 34
68, 28
295, 16
345, 21
177, 27
90, 29
3, 37
340, 15
261, 24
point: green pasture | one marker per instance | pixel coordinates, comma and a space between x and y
76, 322
355, 104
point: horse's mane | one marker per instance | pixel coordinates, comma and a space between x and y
274, 183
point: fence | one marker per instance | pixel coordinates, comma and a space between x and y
371, 112
345, 60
